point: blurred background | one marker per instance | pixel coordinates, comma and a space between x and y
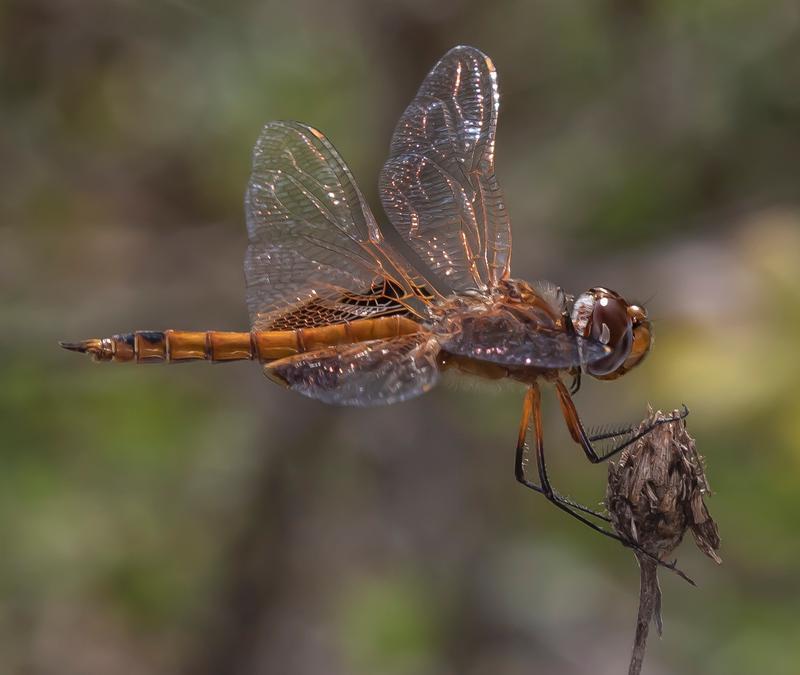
201, 520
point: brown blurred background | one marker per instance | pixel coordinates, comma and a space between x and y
201, 520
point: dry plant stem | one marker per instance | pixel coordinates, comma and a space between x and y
649, 610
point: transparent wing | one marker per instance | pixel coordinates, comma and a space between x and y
438, 186
315, 254
379, 372
500, 338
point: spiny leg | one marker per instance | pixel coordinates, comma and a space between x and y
605, 433
579, 435
532, 407
630, 435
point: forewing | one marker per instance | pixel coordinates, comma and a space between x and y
372, 373
315, 253
506, 341
438, 186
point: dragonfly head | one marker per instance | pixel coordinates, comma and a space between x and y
604, 316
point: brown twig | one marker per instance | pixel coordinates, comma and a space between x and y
649, 610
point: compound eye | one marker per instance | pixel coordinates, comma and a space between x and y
609, 319
611, 326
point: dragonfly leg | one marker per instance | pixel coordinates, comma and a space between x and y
532, 408
631, 428
575, 386
627, 435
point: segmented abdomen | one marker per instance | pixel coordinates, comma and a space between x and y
175, 346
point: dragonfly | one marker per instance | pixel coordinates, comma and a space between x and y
353, 313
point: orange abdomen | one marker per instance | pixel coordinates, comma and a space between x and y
176, 346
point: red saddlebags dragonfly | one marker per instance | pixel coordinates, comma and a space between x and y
352, 313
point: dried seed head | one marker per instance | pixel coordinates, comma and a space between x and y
656, 488
655, 493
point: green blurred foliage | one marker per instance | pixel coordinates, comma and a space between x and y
390, 625
199, 519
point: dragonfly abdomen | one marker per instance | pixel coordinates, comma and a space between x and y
279, 344
176, 346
